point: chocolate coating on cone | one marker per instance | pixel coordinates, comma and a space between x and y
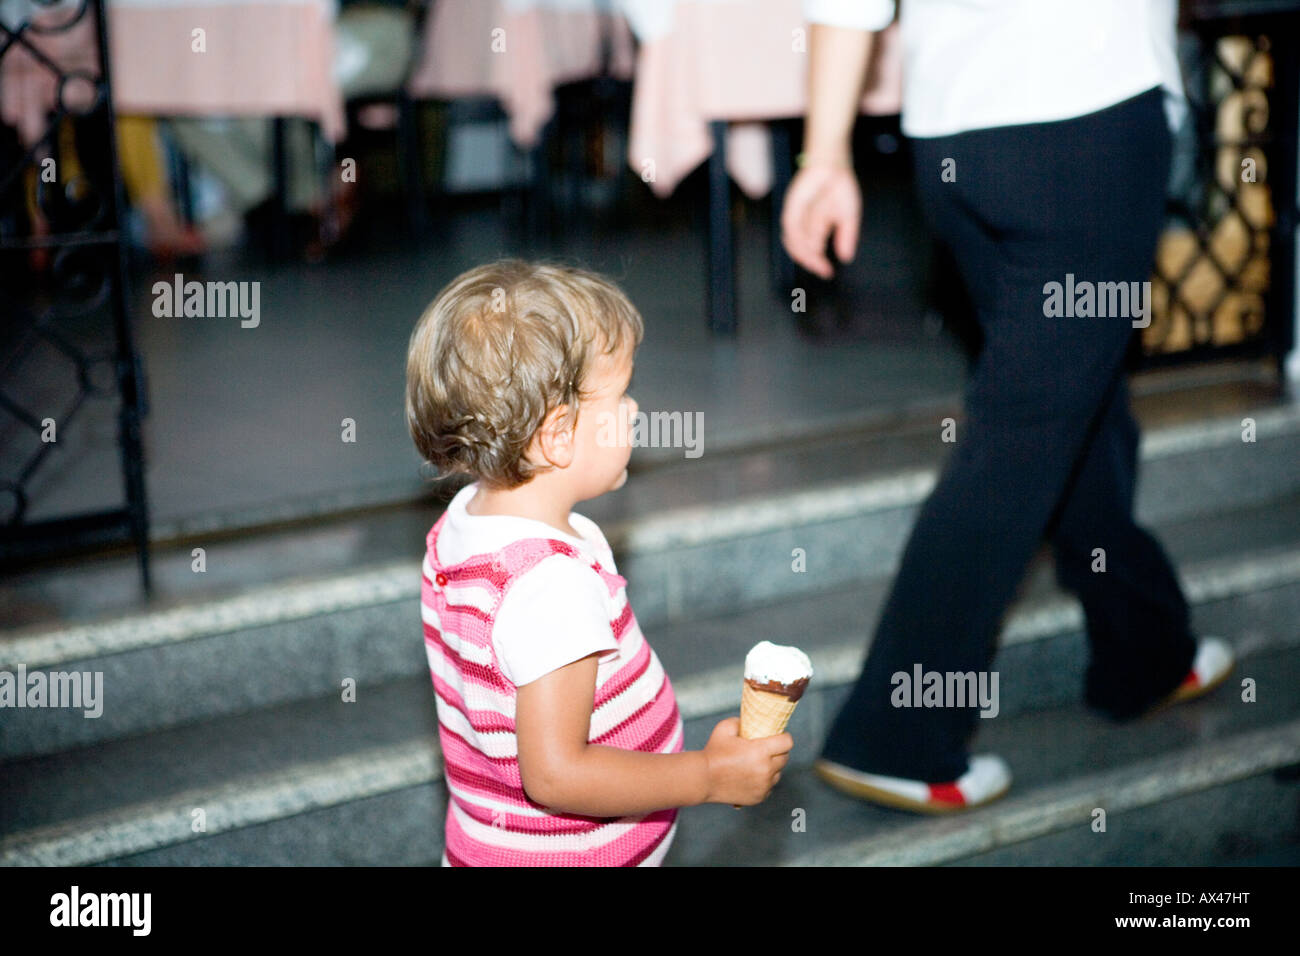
793, 691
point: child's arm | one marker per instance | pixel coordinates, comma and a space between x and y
562, 771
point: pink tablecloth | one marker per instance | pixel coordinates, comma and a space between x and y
740, 60
257, 59
27, 89
517, 52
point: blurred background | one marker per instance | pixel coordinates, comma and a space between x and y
216, 507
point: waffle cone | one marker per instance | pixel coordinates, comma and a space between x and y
763, 713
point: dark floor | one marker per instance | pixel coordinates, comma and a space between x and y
246, 422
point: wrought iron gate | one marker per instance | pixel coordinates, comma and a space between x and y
66, 350
1224, 281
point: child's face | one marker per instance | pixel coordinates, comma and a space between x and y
603, 439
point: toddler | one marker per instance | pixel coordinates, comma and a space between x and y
559, 728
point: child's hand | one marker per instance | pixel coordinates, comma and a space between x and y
743, 772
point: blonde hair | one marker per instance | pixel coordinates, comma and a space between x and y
497, 350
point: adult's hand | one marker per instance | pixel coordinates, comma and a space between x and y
823, 197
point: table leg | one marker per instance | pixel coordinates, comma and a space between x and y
279, 232
182, 187
408, 152
783, 275
540, 200
722, 263
574, 111
529, 204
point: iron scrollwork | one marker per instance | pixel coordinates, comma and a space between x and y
67, 353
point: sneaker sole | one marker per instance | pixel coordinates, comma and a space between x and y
865, 791
1184, 693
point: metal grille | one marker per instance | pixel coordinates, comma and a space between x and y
68, 367
1220, 286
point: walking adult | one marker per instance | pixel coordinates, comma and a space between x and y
1040, 135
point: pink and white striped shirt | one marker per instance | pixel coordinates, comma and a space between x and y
491, 821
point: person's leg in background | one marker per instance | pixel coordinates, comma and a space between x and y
233, 150
374, 47
932, 587
1029, 205
238, 152
1138, 619
149, 189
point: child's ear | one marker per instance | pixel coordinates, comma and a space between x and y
554, 441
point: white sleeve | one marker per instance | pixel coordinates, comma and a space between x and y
554, 615
873, 15
649, 19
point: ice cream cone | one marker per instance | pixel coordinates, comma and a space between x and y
763, 713
775, 678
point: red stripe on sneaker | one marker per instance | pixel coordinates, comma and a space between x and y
946, 793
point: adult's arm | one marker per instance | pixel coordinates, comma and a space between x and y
841, 38
824, 196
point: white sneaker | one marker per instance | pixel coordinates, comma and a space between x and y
987, 778
1210, 668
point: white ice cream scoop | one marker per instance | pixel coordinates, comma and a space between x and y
768, 662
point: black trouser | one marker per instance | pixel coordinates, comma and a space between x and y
1048, 446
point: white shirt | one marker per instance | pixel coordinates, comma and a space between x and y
557, 612
974, 64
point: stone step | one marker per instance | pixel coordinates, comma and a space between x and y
196, 662
1066, 763
877, 465
324, 781
1206, 804
736, 554
1256, 826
